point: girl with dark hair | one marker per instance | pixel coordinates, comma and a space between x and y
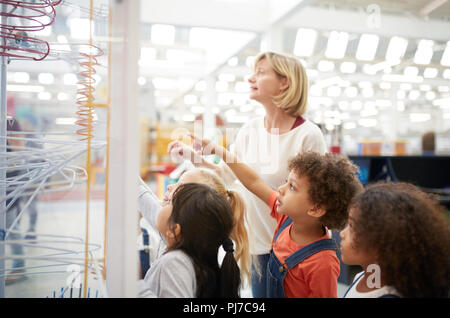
194, 224
399, 236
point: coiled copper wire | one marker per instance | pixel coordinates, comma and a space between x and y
85, 94
14, 39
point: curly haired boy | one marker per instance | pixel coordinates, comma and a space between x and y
315, 198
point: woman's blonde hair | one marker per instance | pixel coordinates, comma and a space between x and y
294, 99
239, 233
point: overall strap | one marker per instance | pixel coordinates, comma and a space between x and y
354, 282
282, 227
311, 249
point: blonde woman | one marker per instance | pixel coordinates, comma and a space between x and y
150, 206
279, 83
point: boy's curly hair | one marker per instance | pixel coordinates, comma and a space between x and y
410, 236
333, 183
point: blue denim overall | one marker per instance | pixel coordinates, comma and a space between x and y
276, 271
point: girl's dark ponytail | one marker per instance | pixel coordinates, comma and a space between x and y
206, 222
229, 273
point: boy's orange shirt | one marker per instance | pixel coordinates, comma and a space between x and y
316, 276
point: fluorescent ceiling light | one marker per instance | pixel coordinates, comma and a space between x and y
305, 42
234, 61
343, 105
383, 103
326, 101
368, 122
46, 78
367, 92
223, 99
70, 79
246, 108
25, 88
430, 95
425, 87
311, 73
396, 49
335, 80
369, 69
443, 102
62, 96
44, 96
445, 60
237, 119
228, 77
368, 112
402, 78
21, 77
147, 54
221, 86
241, 87
190, 99
419, 117
351, 91
350, 125
200, 86
333, 91
385, 66
65, 121
424, 52
414, 94
163, 83
430, 72
142, 80
348, 67
182, 56
80, 28
337, 45
197, 109
446, 74
325, 66
411, 71
401, 94
188, 117
163, 34
356, 105
385, 85
249, 61
367, 47
315, 90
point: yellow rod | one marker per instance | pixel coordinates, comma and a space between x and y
88, 162
108, 128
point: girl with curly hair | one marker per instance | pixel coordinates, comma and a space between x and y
400, 232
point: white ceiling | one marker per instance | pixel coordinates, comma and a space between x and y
274, 20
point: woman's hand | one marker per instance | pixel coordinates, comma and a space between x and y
179, 151
204, 146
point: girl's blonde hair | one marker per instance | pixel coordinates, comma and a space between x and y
294, 99
239, 233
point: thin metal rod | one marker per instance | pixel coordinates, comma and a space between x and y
3, 132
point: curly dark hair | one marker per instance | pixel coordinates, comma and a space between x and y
410, 235
333, 183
